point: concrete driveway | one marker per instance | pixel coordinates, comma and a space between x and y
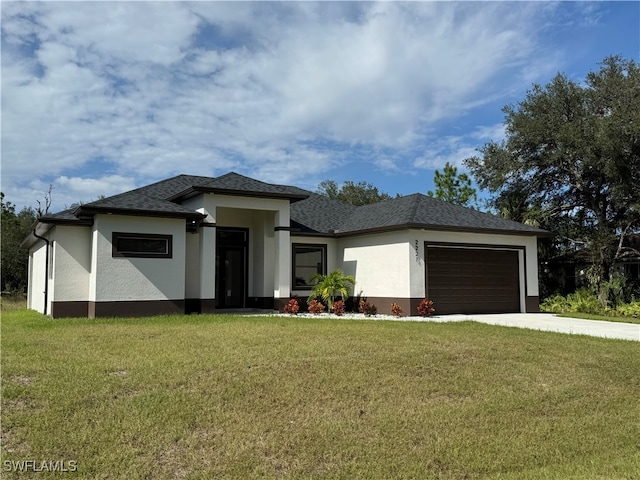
552, 323
535, 321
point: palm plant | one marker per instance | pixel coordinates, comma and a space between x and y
329, 286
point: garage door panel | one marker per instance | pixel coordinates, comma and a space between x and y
473, 280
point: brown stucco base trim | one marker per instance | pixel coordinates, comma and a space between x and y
279, 303
207, 305
69, 309
532, 305
136, 308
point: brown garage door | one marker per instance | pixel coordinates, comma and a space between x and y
465, 280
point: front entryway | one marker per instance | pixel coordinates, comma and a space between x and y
231, 267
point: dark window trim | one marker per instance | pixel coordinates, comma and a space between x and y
319, 246
118, 235
221, 241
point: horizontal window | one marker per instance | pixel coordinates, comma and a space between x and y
308, 261
142, 245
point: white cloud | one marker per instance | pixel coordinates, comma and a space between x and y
386, 164
488, 133
156, 89
454, 149
92, 188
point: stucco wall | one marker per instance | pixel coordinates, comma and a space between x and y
37, 279
380, 263
125, 278
72, 263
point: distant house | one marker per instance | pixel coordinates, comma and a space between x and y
571, 270
198, 244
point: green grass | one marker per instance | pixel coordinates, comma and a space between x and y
203, 397
606, 318
8, 304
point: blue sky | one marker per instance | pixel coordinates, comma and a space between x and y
102, 97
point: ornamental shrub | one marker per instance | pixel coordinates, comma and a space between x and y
629, 310
555, 304
367, 308
425, 308
292, 307
316, 307
328, 287
582, 301
396, 309
338, 308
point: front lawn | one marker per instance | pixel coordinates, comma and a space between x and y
203, 397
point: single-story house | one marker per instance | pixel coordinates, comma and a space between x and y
198, 244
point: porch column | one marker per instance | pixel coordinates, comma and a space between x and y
207, 268
282, 284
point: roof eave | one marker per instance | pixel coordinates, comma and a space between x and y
90, 211
297, 233
446, 228
39, 228
193, 191
80, 222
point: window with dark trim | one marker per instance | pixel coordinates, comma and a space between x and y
142, 245
308, 260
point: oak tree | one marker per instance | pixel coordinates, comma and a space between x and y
572, 151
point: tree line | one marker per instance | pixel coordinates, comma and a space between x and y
15, 257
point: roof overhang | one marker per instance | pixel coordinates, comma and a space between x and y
44, 224
421, 226
86, 211
196, 190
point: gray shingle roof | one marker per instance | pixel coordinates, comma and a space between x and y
319, 213
235, 183
419, 210
162, 198
310, 212
63, 216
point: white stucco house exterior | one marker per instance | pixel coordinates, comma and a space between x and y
193, 244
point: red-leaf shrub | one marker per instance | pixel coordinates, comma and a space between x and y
367, 308
425, 308
338, 308
316, 307
292, 307
396, 309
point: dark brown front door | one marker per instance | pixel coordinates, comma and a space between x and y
470, 280
231, 267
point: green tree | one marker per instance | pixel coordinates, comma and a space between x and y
572, 152
357, 194
454, 187
328, 287
14, 258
